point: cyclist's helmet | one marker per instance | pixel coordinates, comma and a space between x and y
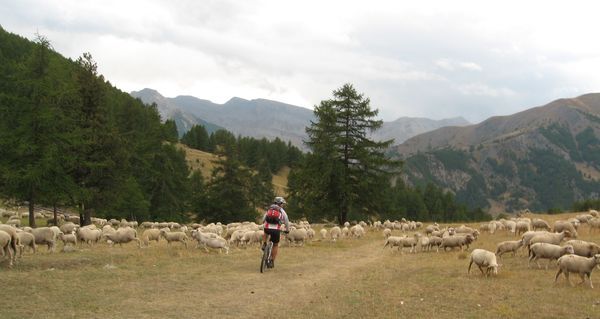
279, 200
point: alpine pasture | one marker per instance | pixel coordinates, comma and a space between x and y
350, 278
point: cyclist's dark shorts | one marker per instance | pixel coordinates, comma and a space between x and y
274, 234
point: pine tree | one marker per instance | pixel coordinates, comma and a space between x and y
228, 189
32, 134
353, 167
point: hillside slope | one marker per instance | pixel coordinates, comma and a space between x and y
545, 157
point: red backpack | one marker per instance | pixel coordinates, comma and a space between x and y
273, 216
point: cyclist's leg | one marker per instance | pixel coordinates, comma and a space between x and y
264, 240
275, 239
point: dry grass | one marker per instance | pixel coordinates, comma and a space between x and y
350, 279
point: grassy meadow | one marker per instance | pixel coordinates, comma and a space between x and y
352, 278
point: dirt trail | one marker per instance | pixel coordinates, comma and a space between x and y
306, 275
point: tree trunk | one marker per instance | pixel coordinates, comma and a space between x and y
31, 213
55, 214
87, 217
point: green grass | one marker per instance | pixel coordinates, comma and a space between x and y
350, 279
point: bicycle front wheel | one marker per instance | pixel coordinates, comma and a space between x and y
265, 258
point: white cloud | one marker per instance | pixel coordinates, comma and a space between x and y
484, 90
427, 58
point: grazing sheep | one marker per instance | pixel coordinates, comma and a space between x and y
584, 218
540, 224
323, 233
150, 234
434, 241
45, 236
67, 238
506, 246
357, 231
335, 233
345, 231
68, 228
296, 236
577, 264
393, 241
457, 241
522, 227
547, 251
549, 238
88, 235
26, 239
562, 225
402, 242
483, 258
174, 236
466, 230
208, 241
594, 213
530, 234
122, 236
14, 240
511, 226
594, 223
5, 246
387, 233
584, 248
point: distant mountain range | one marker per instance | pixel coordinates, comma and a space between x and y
265, 118
542, 158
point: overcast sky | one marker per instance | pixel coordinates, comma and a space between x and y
434, 59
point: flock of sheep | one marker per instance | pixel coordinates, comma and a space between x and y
536, 235
541, 241
14, 239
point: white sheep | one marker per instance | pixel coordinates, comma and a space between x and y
584, 248
538, 223
67, 239
547, 251
174, 236
150, 234
88, 235
563, 225
5, 246
335, 233
45, 236
577, 264
402, 242
212, 242
522, 226
357, 231
14, 240
594, 224
26, 239
434, 241
122, 236
323, 233
484, 259
509, 245
457, 241
68, 228
549, 238
297, 236
345, 231
387, 233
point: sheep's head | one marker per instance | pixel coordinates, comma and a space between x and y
493, 269
569, 249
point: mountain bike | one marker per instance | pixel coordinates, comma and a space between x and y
266, 261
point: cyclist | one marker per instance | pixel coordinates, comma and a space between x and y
272, 220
